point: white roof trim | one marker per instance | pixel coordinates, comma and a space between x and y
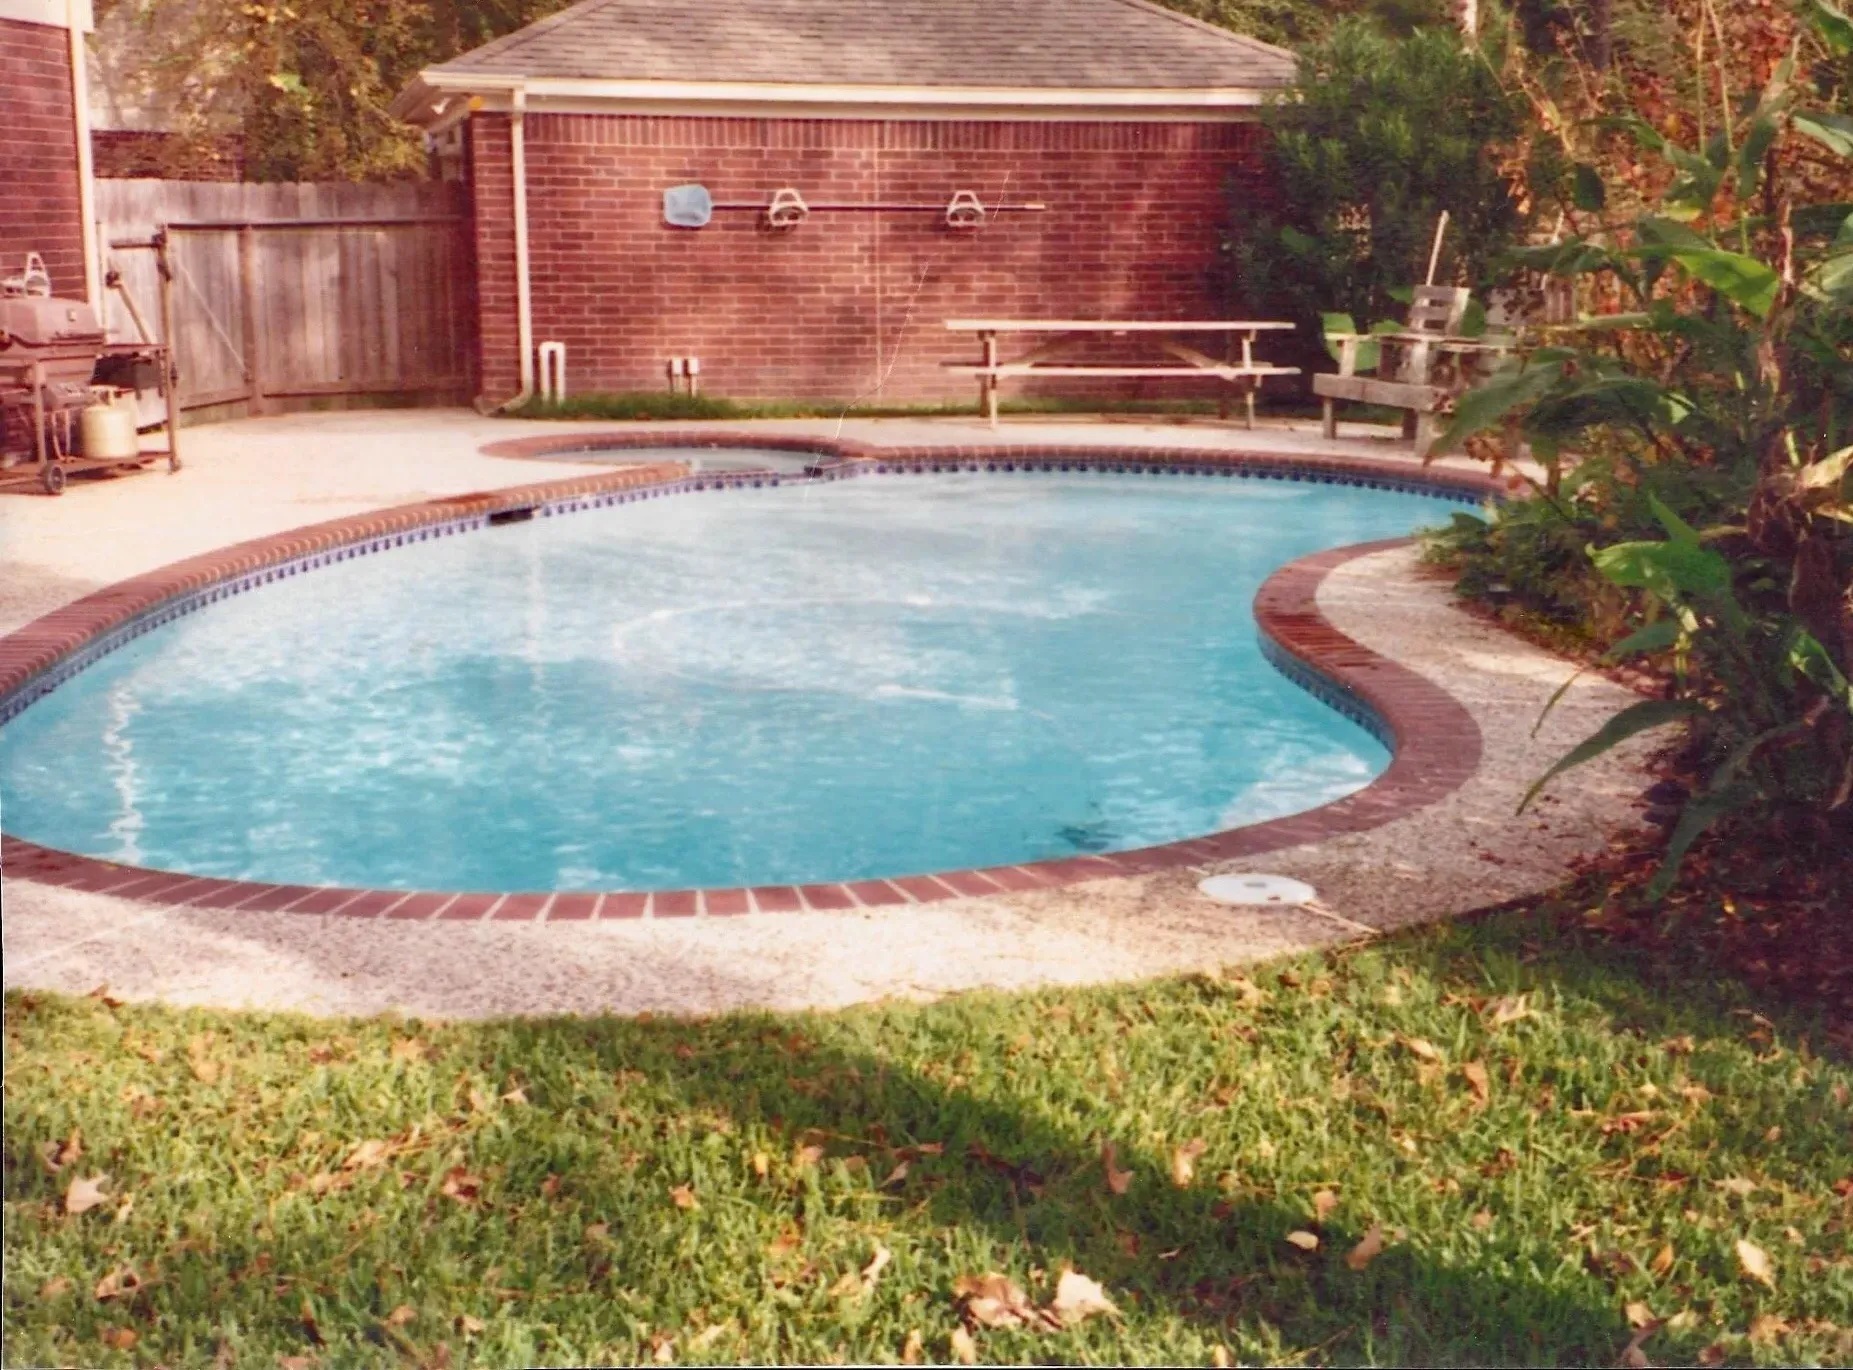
796, 109
784, 99
58, 14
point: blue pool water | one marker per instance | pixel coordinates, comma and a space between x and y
822, 682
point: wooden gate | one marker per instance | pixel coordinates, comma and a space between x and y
279, 294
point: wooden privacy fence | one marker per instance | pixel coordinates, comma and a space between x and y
278, 293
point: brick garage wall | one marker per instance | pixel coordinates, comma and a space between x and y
38, 155
850, 304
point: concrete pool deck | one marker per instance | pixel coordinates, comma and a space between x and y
260, 477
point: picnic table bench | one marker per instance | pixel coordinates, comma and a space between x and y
1238, 365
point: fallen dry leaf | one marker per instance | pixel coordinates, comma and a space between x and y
1508, 1008
596, 1232
1477, 1081
204, 1068
896, 1175
58, 1155
705, 1338
121, 1338
807, 1156
1118, 1181
55, 1287
80, 1196
409, 1049
911, 1348
1638, 1314
1421, 1048
120, 1281
993, 1300
469, 1326
1219, 1356
517, 1096
1077, 1298
1184, 1162
1306, 1241
1324, 1201
762, 1164
964, 1349
663, 1349
1739, 1186
1663, 1259
1767, 1327
785, 1243
1753, 1260
1367, 1249
1631, 1355
1482, 1220
368, 1155
684, 1197
877, 1263
460, 1185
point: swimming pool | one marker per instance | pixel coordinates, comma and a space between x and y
820, 681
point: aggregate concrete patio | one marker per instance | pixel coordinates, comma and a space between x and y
265, 476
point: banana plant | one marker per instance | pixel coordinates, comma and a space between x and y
1730, 367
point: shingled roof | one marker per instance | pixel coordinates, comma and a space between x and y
1031, 45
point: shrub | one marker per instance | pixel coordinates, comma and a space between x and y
1721, 401
1377, 137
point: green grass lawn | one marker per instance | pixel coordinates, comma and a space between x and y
1555, 1138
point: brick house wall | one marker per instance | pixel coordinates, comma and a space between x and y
39, 205
850, 304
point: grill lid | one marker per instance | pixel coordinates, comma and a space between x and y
37, 322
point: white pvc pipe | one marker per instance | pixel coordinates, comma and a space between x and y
86, 185
552, 371
524, 299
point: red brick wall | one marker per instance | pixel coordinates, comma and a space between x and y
38, 155
850, 304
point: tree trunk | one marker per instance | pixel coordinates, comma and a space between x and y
1601, 44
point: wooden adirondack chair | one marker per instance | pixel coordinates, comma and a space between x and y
1423, 368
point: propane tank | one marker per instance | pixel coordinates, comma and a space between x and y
107, 427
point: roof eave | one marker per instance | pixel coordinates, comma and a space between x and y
418, 102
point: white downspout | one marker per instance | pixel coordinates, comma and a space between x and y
86, 186
524, 295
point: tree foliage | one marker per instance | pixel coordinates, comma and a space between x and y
306, 86
1378, 136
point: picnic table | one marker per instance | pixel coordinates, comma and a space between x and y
1238, 364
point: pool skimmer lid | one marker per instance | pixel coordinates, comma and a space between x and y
1256, 890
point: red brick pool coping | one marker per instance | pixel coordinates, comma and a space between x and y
1436, 745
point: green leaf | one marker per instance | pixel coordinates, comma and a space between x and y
1367, 351
1835, 28
1832, 131
1636, 718
1657, 636
1808, 657
1587, 191
1676, 527
1744, 281
1700, 813
1500, 395
1669, 570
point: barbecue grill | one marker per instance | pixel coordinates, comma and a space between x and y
51, 353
